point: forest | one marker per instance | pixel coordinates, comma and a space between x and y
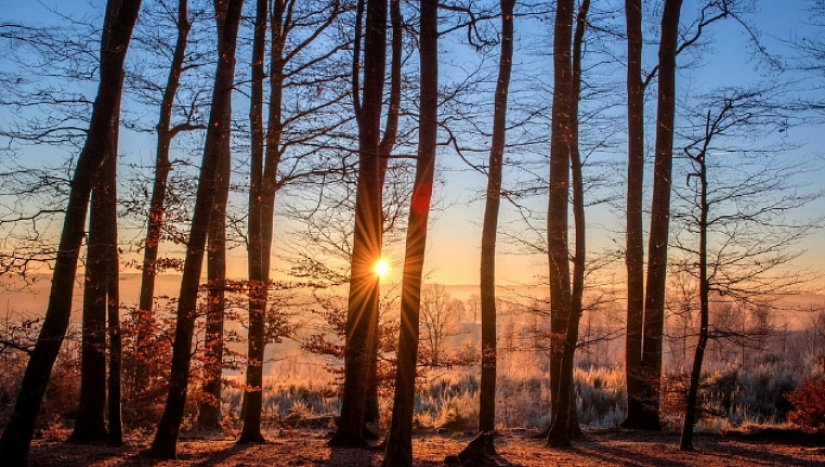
412, 233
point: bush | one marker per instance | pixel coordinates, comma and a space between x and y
809, 404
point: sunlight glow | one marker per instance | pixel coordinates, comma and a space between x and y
381, 268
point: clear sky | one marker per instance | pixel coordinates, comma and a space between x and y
454, 241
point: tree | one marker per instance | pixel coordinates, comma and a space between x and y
294, 27
654, 310
487, 401
634, 252
14, 444
163, 166
228, 15
366, 249
399, 442
738, 207
90, 426
439, 314
645, 308
209, 415
564, 146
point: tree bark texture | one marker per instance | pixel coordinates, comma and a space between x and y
14, 444
363, 294
385, 150
659, 219
399, 441
209, 415
487, 397
109, 207
634, 255
90, 426
560, 429
228, 14
253, 400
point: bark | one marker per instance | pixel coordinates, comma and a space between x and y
257, 286
568, 82
90, 426
487, 398
557, 249
579, 255
659, 220
385, 150
363, 295
399, 442
209, 416
109, 173
228, 14
14, 444
634, 255
163, 166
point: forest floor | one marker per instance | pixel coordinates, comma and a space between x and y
515, 448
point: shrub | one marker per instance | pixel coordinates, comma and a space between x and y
809, 404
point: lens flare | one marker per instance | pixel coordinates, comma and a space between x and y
381, 268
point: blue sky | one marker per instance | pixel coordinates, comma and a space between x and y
454, 242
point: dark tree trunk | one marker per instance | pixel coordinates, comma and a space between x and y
487, 398
563, 424
109, 174
228, 13
145, 321
558, 198
634, 259
399, 442
257, 286
90, 426
659, 219
363, 296
686, 441
385, 150
209, 415
14, 444
579, 257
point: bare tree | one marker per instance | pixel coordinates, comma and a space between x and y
228, 15
487, 400
366, 249
399, 442
166, 131
738, 209
14, 444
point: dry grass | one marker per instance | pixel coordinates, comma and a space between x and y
309, 448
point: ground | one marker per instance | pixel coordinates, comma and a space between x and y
309, 448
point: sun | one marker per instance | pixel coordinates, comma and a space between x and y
381, 268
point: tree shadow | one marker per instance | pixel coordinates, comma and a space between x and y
354, 457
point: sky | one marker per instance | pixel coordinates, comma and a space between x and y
454, 240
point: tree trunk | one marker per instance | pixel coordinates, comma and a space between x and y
253, 401
659, 220
145, 321
487, 397
385, 150
228, 14
399, 442
634, 256
90, 426
209, 415
14, 444
109, 207
686, 441
568, 82
579, 257
363, 296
